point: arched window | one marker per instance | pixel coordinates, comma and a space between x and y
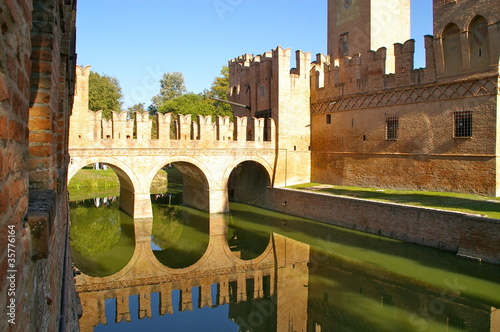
452, 50
479, 44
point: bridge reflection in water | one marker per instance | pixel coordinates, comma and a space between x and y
286, 274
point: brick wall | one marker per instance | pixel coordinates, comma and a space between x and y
36, 88
351, 99
468, 235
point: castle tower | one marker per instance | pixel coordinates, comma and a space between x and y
271, 89
357, 26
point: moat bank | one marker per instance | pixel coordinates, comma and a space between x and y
467, 235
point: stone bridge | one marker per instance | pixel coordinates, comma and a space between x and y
217, 158
206, 165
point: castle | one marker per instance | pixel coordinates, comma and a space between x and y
372, 120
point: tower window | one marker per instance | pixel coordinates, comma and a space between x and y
344, 46
391, 125
463, 123
328, 119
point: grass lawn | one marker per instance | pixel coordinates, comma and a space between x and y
89, 179
475, 204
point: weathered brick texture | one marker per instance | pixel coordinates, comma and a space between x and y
464, 234
36, 86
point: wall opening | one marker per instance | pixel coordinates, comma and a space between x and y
181, 183
452, 49
479, 44
101, 231
248, 182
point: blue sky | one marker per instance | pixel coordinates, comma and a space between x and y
137, 41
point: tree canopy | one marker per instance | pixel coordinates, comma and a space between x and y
172, 86
218, 90
105, 94
191, 103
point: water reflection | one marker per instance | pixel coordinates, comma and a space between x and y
246, 240
256, 270
101, 236
180, 234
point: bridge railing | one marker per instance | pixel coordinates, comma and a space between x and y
125, 126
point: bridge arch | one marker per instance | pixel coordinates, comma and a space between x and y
129, 181
197, 180
218, 255
247, 178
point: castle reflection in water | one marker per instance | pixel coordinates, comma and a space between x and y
272, 272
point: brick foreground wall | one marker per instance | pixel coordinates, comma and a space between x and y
467, 235
37, 64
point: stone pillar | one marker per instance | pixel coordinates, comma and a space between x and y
142, 206
122, 308
107, 128
166, 306
292, 274
205, 299
122, 128
259, 125
223, 132
218, 201
430, 59
163, 123
186, 298
241, 129
184, 127
241, 293
143, 125
145, 306
258, 291
206, 128
223, 291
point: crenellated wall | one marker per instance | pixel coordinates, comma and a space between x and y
365, 73
200, 130
88, 126
353, 102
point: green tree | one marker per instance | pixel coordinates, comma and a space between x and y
105, 94
189, 103
172, 86
174, 99
137, 108
219, 90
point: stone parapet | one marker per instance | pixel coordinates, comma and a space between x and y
121, 131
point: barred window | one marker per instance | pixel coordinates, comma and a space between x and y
457, 324
463, 123
392, 125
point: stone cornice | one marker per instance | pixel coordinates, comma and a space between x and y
169, 152
468, 88
195, 275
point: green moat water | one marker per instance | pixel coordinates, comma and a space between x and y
348, 281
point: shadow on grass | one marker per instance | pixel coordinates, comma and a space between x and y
485, 206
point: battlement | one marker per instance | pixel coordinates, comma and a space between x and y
364, 73
256, 80
175, 296
165, 128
